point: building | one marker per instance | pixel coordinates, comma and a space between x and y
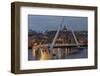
65, 36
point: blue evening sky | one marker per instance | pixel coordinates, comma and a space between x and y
41, 23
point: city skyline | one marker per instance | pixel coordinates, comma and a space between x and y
41, 23
52, 37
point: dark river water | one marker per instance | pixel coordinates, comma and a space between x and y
78, 53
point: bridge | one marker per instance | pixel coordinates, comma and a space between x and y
53, 45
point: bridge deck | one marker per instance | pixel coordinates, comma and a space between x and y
61, 45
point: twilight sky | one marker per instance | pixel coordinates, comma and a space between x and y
41, 23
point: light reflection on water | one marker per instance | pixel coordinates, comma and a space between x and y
75, 54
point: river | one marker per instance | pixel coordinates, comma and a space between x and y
78, 53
